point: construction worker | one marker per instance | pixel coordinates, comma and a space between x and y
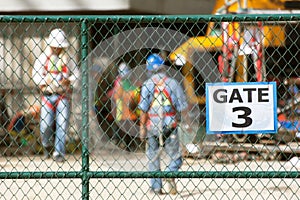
125, 96
53, 76
161, 102
124, 93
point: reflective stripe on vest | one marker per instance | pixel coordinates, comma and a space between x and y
51, 67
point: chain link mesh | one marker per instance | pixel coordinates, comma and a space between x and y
104, 155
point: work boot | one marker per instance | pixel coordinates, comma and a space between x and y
47, 152
170, 186
156, 191
59, 158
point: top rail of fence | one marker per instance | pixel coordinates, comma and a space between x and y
151, 18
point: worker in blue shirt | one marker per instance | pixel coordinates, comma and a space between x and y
161, 102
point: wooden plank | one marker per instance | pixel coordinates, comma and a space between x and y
292, 148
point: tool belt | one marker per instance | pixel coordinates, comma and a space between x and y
47, 93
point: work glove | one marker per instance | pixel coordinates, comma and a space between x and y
143, 133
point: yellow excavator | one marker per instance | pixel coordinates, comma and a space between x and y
236, 51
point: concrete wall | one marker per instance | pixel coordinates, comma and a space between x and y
127, 6
173, 6
62, 5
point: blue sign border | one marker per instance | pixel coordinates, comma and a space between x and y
208, 131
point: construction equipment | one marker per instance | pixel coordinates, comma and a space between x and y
236, 51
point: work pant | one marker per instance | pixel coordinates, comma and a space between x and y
172, 150
55, 108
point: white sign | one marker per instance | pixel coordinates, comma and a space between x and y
243, 107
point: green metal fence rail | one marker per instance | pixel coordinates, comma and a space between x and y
100, 164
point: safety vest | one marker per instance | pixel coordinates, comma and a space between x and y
54, 70
55, 67
161, 100
127, 97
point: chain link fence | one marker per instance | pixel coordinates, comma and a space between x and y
103, 155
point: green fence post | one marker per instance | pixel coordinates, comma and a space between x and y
85, 111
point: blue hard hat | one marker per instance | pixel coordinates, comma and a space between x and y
154, 62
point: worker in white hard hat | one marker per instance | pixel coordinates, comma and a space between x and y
52, 74
125, 98
124, 91
58, 39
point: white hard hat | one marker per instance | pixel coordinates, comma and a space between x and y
123, 69
57, 38
180, 60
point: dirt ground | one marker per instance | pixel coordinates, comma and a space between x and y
130, 188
